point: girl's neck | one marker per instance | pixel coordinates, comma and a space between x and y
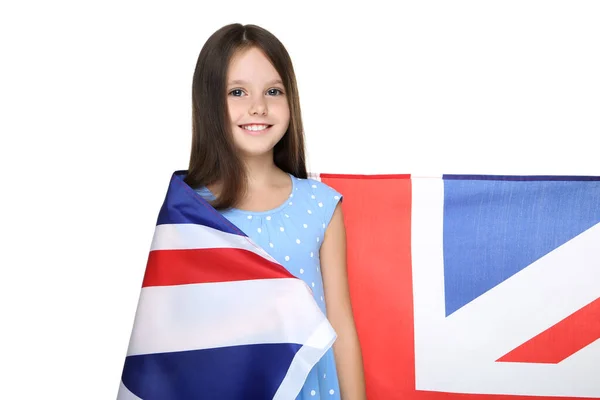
261, 170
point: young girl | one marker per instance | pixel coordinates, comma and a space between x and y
247, 158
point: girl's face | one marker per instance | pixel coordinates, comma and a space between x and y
257, 103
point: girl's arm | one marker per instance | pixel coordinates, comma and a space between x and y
348, 356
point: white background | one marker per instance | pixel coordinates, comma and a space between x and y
95, 117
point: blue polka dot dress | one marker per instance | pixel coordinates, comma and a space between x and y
292, 234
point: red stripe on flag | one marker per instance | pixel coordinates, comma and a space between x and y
377, 216
180, 267
567, 337
330, 177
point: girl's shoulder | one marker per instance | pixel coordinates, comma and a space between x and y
320, 198
313, 186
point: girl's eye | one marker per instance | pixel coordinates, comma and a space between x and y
274, 92
236, 92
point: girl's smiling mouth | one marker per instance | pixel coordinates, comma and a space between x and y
255, 129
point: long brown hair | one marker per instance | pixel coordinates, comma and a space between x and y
213, 155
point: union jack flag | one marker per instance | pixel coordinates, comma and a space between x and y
475, 287
218, 317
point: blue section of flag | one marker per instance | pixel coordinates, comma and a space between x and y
522, 177
496, 226
181, 206
184, 375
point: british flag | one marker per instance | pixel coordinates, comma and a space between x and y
218, 317
475, 287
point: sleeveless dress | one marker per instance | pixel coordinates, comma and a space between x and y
292, 234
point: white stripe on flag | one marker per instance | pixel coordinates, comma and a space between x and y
210, 315
192, 236
312, 350
125, 394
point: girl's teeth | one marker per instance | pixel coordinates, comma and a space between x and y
255, 127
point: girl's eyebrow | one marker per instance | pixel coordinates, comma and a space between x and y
242, 82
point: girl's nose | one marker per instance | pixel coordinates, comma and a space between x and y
258, 107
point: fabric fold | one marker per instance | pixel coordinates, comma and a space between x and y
218, 317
